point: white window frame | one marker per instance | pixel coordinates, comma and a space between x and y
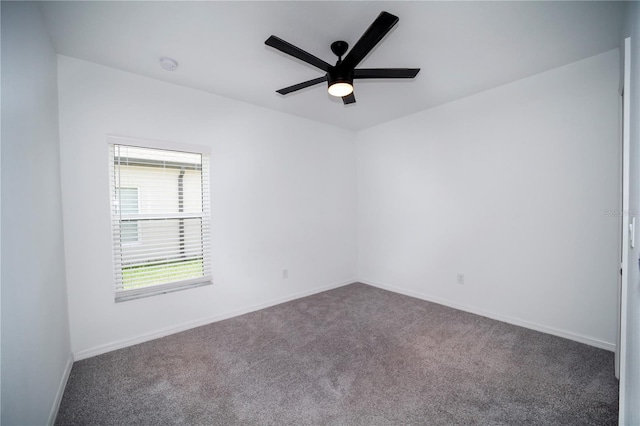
121, 294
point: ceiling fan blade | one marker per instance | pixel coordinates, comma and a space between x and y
349, 99
296, 52
385, 72
302, 85
372, 36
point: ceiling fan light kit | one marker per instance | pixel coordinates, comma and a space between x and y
340, 89
340, 76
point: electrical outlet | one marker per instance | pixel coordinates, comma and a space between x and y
460, 278
285, 273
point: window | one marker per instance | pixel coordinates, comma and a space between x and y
160, 220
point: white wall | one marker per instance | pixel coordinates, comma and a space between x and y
510, 187
630, 399
283, 197
36, 355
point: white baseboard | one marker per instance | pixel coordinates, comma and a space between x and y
60, 393
88, 353
99, 350
510, 320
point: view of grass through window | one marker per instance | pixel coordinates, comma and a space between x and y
144, 275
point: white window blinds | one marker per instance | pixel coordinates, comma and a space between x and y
160, 218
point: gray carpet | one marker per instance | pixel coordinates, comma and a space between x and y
356, 355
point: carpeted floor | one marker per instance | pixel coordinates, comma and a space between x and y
356, 355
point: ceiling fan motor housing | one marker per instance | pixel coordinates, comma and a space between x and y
338, 74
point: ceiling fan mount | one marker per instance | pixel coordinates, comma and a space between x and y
340, 76
339, 48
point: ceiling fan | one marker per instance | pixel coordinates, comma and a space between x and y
341, 75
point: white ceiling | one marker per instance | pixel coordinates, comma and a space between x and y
462, 47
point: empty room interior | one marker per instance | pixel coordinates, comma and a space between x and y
322, 213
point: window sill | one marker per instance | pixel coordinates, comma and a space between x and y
126, 295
